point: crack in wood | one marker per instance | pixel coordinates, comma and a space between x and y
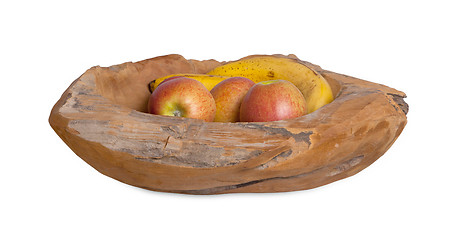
167, 141
299, 137
173, 131
220, 189
276, 159
343, 167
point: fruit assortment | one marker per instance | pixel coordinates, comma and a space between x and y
255, 89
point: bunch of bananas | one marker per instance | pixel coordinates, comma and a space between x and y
315, 89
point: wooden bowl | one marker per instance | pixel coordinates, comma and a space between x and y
102, 118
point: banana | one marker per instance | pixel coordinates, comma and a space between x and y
209, 81
314, 87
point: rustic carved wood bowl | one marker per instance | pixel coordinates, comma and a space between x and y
102, 118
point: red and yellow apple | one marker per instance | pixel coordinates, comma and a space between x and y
228, 95
271, 101
183, 97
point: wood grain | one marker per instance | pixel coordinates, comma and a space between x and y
102, 118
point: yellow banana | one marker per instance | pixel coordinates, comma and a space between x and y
209, 81
314, 87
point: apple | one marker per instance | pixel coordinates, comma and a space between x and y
183, 97
228, 95
271, 101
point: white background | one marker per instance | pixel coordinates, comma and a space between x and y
409, 193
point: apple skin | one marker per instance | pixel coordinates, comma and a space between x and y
183, 97
271, 101
228, 95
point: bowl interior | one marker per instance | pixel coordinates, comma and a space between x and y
127, 84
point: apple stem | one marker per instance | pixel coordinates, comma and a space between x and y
177, 113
